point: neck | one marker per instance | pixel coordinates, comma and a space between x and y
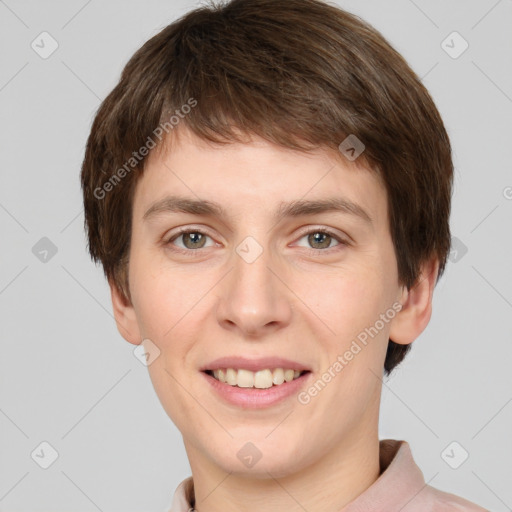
329, 484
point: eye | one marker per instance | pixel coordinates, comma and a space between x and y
321, 239
194, 239
191, 239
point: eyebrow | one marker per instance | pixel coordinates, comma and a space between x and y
177, 204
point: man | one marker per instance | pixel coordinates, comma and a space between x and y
268, 190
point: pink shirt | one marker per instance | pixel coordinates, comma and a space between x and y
400, 487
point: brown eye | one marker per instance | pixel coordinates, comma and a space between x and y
319, 240
191, 239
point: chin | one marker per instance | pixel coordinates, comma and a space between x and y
256, 460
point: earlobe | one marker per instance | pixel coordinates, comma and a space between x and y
416, 310
124, 315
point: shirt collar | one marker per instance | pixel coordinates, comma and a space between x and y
399, 482
398, 472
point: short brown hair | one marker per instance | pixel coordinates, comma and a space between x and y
299, 73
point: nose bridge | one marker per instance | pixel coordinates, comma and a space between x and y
252, 279
253, 298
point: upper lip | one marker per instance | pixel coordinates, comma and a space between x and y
255, 364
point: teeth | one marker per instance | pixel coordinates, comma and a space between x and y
261, 379
278, 376
245, 379
231, 377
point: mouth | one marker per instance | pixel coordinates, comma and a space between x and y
261, 379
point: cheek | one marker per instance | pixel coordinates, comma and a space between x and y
164, 305
350, 306
168, 387
172, 306
161, 296
347, 302
153, 305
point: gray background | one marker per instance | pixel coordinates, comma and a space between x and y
66, 375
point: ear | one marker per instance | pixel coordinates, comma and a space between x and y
124, 315
416, 310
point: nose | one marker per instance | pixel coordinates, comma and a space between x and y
254, 300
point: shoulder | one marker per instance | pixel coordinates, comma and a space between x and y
440, 501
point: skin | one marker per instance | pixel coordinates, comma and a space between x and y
305, 306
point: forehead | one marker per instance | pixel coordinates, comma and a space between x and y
256, 176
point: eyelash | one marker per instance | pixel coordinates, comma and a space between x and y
314, 252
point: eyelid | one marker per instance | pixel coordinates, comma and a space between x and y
167, 239
341, 239
323, 229
191, 228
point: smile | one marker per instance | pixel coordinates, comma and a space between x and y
261, 379
258, 389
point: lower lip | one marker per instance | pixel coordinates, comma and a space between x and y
254, 398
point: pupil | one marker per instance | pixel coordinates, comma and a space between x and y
320, 238
193, 239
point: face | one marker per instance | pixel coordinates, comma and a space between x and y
307, 286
